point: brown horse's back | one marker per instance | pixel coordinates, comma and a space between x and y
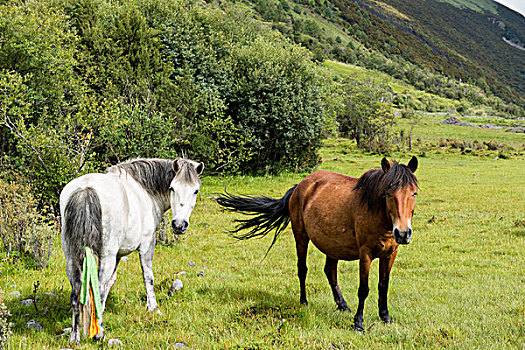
323, 207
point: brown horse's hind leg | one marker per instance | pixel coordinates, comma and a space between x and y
330, 270
385, 266
301, 244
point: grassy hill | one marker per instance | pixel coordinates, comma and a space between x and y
441, 42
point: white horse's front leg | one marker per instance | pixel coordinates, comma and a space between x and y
146, 262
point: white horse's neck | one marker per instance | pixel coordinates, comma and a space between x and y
163, 203
160, 200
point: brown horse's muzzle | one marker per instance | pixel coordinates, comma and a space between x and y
402, 237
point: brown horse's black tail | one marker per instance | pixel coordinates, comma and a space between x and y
269, 214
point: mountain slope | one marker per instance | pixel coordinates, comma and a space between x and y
432, 44
473, 31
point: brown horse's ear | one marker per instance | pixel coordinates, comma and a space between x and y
200, 168
176, 166
385, 164
412, 165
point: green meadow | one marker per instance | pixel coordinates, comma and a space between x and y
459, 284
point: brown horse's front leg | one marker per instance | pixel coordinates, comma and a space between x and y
385, 266
365, 260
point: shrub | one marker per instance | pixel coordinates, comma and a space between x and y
22, 229
45, 113
278, 100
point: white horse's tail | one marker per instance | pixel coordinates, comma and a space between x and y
83, 223
82, 228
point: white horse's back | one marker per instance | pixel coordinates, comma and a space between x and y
130, 215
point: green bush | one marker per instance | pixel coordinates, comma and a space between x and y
50, 147
278, 100
46, 114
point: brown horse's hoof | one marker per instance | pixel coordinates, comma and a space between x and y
343, 308
358, 329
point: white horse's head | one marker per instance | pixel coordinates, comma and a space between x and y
183, 192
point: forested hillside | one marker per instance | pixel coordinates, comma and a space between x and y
418, 41
475, 35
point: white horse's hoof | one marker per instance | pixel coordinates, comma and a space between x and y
99, 337
74, 338
155, 311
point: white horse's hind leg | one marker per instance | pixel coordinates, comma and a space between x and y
106, 278
74, 276
113, 277
146, 262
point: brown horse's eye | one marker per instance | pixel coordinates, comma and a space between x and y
415, 194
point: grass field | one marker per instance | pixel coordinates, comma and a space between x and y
431, 132
460, 284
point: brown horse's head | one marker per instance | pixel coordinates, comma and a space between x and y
399, 187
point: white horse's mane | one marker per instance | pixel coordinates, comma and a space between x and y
156, 175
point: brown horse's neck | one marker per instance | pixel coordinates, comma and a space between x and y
384, 221
387, 220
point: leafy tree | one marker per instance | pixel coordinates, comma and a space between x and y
44, 109
367, 116
122, 52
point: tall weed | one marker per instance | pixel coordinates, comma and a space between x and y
5, 326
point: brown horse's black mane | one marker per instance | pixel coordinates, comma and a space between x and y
375, 184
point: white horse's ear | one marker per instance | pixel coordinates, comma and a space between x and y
200, 168
385, 165
176, 165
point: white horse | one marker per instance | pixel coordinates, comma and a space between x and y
117, 213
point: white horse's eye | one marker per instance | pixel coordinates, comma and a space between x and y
171, 189
196, 191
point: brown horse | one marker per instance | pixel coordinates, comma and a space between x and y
346, 218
